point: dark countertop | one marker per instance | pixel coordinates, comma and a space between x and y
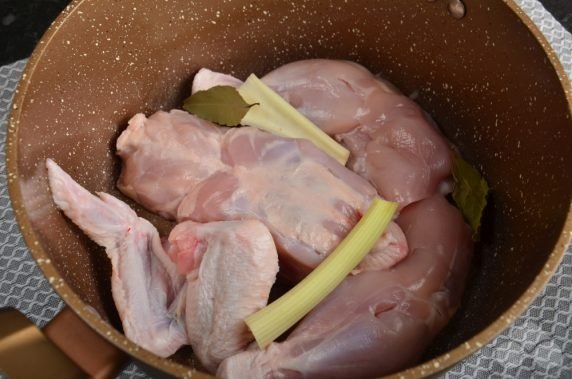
22, 23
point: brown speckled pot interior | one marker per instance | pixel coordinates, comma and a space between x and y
489, 80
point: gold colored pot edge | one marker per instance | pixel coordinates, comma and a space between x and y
429, 368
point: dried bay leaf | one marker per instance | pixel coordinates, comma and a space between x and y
220, 104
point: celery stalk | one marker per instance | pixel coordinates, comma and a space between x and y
273, 320
276, 116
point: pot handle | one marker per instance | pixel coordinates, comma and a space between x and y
65, 348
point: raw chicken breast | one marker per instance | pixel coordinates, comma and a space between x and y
164, 156
239, 265
308, 201
377, 322
403, 157
335, 95
145, 283
389, 250
392, 143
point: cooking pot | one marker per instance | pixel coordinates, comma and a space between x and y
489, 79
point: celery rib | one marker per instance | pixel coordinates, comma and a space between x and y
271, 321
276, 116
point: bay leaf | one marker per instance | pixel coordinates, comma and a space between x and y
470, 193
222, 105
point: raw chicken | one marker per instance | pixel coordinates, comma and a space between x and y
197, 289
145, 283
392, 142
389, 250
404, 158
198, 286
232, 266
164, 156
308, 201
336, 95
377, 322
212, 79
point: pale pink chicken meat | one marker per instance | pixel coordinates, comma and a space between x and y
198, 286
405, 158
164, 156
172, 156
195, 289
230, 268
205, 79
336, 95
392, 142
308, 201
145, 283
377, 322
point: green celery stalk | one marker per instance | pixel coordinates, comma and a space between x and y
273, 114
271, 321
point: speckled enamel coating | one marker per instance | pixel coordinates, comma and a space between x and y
489, 79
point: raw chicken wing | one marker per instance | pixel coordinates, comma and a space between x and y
144, 282
196, 289
230, 267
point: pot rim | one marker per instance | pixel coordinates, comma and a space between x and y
92, 318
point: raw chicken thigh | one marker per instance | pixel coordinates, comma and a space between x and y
307, 200
164, 156
377, 322
196, 289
